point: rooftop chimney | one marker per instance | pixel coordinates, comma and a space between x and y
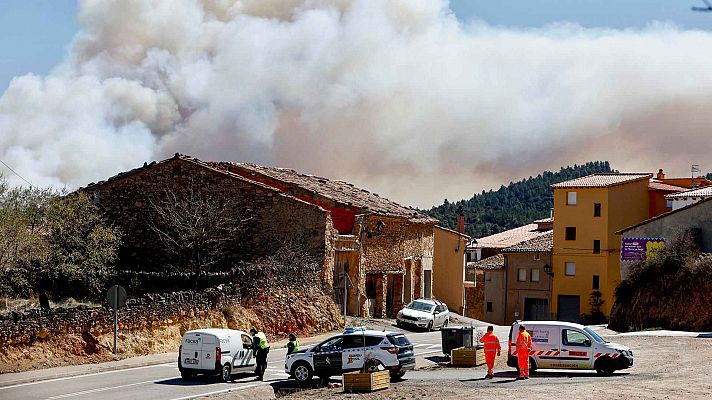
461, 223
661, 174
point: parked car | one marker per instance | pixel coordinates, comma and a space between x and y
569, 346
380, 350
222, 352
424, 313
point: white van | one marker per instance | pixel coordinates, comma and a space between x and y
565, 345
221, 352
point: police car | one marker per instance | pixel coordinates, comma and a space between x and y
381, 350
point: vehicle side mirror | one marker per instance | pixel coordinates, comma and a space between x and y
587, 342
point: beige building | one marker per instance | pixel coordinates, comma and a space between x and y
528, 279
449, 267
492, 289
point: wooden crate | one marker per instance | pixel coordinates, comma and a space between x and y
366, 381
467, 357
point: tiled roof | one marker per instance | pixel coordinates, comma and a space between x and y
509, 238
601, 180
494, 262
544, 220
541, 243
338, 191
667, 214
467, 238
699, 192
657, 185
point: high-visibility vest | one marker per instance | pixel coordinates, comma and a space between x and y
263, 344
524, 342
295, 345
491, 342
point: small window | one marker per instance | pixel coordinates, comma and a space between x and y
596, 246
537, 256
571, 198
570, 233
352, 341
574, 338
596, 282
489, 306
488, 276
596, 209
668, 203
373, 340
535, 274
522, 275
570, 269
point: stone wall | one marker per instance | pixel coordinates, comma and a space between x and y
274, 218
155, 323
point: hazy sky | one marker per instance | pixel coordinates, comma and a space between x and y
35, 34
395, 96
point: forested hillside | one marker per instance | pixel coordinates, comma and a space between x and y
514, 205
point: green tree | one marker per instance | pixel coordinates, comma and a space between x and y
81, 244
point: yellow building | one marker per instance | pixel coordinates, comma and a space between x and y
587, 213
449, 267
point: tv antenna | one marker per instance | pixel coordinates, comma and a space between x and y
695, 168
703, 9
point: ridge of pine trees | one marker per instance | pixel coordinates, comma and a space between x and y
516, 204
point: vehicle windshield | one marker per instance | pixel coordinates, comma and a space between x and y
420, 306
594, 335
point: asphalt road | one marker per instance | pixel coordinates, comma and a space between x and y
163, 382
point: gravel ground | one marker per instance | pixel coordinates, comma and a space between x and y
665, 368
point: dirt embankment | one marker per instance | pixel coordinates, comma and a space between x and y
154, 324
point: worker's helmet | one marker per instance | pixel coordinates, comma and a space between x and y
490, 328
253, 331
292, 336
522, 327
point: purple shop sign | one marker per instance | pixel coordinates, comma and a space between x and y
639, 249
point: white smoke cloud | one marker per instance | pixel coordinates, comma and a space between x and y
396, 96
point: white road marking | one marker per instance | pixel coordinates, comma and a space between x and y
420, 345
84, 375
434, 346
215, 392
63, 396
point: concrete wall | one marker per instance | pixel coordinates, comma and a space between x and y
698, 217
495, 293
517, 291
449, 268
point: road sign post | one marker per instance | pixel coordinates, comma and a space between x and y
116, 296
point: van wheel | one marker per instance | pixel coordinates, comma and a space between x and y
604, 366
186, 375
226, 374
302, 372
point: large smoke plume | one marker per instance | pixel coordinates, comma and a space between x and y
396, 96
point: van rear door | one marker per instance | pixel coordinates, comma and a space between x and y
190, 350
208, 351
545, 341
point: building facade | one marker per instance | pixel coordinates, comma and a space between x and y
376, 253
642, 239
588, 212
449, 268
529, 277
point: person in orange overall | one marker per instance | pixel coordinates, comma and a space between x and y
492, 350
524, 347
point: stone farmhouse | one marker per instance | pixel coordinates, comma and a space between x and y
384, 249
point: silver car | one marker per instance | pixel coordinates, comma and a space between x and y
424, 313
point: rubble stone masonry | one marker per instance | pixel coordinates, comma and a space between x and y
275, 218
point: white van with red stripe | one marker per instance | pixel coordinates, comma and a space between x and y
565, 345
